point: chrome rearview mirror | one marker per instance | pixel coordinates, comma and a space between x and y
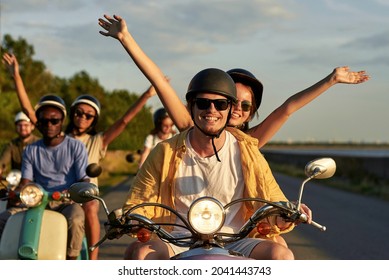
321, 168
83, 192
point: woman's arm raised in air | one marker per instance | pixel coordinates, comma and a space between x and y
270, 126
116, 27
118, 127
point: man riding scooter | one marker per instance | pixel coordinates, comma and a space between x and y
206, 160
55, 162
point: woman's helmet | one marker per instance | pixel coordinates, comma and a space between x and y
21, 117
212, 80
245, 77
158, 116
51, 100
88, 99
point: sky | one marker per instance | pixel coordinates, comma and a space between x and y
287, 44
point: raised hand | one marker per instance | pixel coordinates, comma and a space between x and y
344, 75
10, 61
115, 27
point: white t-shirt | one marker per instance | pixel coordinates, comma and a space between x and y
152, 140
198, 177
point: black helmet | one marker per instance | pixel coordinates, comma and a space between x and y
245, 77
51, 100
159, 115
90, 100
214, 81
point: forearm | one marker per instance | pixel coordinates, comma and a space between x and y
120, 125
23, 98
302, 98
169, 98
265, 131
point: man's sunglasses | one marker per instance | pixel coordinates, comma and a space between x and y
205, 103
246, 105
45, 122
80, 114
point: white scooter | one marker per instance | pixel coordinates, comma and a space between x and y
39, 233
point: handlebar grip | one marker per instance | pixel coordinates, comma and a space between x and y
303, 218
319, 226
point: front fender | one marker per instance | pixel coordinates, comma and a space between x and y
51, 240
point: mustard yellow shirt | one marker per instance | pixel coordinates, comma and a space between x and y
155, 181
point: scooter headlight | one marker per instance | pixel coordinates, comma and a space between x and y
206, 215
31, 195
13, 178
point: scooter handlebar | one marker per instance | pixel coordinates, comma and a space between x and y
319, 226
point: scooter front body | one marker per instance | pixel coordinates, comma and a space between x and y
213, 253
35, 234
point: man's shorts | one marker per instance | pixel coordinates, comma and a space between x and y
244, 246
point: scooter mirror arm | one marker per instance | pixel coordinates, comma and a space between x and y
99, 199
301, 191
92, 248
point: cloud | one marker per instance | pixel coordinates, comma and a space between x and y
378, 41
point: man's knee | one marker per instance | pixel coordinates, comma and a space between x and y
91, 208
271, 251
152, 250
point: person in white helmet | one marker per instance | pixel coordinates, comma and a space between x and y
11, 157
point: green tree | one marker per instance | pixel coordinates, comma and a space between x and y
38, 82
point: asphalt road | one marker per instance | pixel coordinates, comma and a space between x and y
114, 249
357, 226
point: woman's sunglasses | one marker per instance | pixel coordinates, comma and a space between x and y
205, 103
245, 105
80, 114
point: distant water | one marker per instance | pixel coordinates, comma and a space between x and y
334, 152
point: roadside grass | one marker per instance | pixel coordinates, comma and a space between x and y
366, 185
116, 169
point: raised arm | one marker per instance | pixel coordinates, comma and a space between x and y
116, 27
269, 127
13, 67
118, 127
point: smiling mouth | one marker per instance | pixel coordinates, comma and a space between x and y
211, 119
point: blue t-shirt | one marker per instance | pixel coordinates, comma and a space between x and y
55, 168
